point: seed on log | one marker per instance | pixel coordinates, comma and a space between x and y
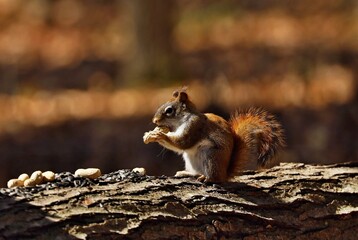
140, 171
91, 173
15, 183
30, 182
23, 177
48, 176
37, 177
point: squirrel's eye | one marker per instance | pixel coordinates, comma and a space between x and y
169, 110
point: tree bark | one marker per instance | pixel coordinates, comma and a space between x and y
290, 201
152, 57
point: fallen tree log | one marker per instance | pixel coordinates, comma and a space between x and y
288, 201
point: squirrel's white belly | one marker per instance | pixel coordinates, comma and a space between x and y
194, 157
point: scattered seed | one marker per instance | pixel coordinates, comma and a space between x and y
30, 182
48, 176
91, 173
15, 183
140, 171
67, 179
37, 177
23, 177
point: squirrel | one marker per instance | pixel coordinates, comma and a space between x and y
215, 150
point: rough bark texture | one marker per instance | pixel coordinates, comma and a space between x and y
153, 56
291, 201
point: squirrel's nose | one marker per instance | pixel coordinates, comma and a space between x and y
156, 120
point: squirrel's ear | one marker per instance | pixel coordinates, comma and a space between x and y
183, 97
176, 93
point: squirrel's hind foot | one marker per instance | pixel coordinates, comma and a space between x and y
184, 174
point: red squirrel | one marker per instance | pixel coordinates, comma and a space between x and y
215, 150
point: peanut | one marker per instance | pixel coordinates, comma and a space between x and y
15, 183
48, 176
37, 177
91, 173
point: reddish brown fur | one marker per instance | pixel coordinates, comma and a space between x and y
220, 130
213, 147
258, 136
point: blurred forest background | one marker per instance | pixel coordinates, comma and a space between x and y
81, 80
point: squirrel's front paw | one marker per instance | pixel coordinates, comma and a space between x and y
155, 135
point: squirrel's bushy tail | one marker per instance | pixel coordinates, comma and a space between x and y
258, 136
